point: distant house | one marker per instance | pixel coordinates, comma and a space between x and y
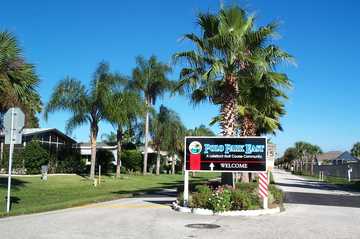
52, 138
335, 158
85, 151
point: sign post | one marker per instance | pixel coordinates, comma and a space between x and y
349, 173
14, 120
223, 154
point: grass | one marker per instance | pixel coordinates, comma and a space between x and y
341, 182
30, 194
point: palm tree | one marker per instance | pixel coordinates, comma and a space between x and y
127, 107
164, 127
224, 57
85, 105
150, 78
213, 67
355, 150
202, 130
313, 150
18, 80
174, 143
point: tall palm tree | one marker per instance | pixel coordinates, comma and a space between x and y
127, 107
150, 78
18, 80
85, 105
222, 59
213, 67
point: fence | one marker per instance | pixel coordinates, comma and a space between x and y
340, 171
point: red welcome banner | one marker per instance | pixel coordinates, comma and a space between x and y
195, 161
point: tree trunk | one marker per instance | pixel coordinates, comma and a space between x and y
158, 163
146, 140
119, 137
93, 136
312, 167
248, 128
228, 115
173, 165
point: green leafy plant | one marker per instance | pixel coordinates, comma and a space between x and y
200, 199
240, 200
34, 156
132, 160
220, 200
277, 194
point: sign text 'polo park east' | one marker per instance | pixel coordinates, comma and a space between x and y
230, 154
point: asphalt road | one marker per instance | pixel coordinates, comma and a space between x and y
313, 210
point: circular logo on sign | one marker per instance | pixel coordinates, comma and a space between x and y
195, 147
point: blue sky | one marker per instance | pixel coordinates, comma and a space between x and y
70, 37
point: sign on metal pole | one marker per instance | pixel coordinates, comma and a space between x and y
13, 131
14, 120
271, 156
224, 154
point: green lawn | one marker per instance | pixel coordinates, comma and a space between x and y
30, 194
342, 182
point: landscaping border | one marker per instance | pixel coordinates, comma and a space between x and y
208, 212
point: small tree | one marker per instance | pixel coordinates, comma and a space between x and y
355, 151
165, 126
34, 156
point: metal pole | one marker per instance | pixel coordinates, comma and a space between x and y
186, 188
265, 203
10, 160
99, 173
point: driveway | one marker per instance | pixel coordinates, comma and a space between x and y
313, 210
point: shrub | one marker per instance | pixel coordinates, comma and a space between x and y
246, 187
277, 194
220, 200
17, 161
132, 160
34, 156
240, 200
200, 199
105, 158
70, 162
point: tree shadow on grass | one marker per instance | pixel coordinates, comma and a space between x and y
163, 190
13, 200
15, 182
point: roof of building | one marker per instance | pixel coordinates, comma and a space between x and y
331, 155
336, 155
346, 156
98, 145
34, 131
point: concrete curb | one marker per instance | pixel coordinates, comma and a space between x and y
208, 212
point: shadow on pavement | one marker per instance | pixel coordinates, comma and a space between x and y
322, 199
160, 202
308, 185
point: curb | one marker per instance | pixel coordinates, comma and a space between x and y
208, 212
